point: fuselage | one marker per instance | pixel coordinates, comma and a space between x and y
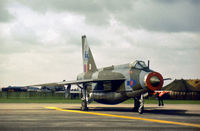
136, 81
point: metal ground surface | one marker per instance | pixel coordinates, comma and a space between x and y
100, 117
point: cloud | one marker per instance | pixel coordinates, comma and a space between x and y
176, 16
5, 16
43, 41
170, 16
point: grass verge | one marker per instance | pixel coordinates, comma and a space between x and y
154, 101
39, 101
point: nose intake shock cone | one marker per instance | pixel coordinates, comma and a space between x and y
154, 81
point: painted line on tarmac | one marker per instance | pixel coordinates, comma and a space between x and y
127, 117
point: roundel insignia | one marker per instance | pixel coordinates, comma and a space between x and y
132, 83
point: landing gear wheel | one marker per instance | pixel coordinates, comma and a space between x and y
84, 105
84, 98
141, 110
136, 104
141, 105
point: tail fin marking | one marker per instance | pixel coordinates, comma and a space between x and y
88, 60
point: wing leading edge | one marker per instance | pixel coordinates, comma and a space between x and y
76, 82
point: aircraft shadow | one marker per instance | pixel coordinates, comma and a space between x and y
174, 112
149, 110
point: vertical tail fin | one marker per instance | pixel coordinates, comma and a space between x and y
88, 60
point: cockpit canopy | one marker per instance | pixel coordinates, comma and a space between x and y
138, 65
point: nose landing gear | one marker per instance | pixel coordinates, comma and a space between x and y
139, 103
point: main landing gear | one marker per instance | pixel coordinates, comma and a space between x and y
84, 98
139, 104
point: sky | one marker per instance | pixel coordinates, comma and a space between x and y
40, 41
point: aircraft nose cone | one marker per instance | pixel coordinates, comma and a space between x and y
155, 81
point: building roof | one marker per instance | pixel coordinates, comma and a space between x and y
194, 82
181, 86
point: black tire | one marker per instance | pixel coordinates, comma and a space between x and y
84, 106
141, 110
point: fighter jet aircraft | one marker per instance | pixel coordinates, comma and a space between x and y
113, 84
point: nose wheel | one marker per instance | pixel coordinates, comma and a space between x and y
139, 104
